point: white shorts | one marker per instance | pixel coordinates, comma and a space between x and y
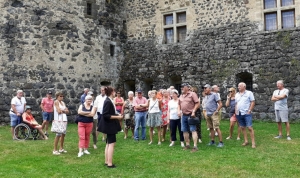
282, 115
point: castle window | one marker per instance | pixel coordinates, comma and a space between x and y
112, 50
279, 14
89, 8
174, 26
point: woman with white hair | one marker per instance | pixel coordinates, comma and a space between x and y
128, 113
174, 119
85, 125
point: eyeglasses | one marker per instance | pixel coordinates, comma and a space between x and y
61, 96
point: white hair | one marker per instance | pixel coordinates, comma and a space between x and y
175, 91
88, 97
243, 84
280, 81
86, 89
20, 91
130, 93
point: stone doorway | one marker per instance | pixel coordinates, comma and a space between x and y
129, 85
148, 85
176, 82
245, 77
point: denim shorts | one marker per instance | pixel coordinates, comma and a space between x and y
185, 127
245, 120
14, 120
47, 116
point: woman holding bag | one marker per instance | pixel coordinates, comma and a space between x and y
60, 116
128, 113
231, 102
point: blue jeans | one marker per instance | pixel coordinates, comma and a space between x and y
47, 116
185, 127
140, 119
245, 120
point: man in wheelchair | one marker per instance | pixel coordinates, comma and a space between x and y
29, 119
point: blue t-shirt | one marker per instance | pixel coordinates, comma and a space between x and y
243, 102
211, 104
82, 98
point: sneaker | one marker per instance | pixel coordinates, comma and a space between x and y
207, 129
86, 152
159, 143
56, 153
216, 133
194, 150
150, 143
182, 144
172, 144
153, 131
211, 143
80, 154
62, 151
200, 141
228, 138
238, 138
122, 130
278, 136
220, 145
46, 134
187, 147
95, 146
288, 138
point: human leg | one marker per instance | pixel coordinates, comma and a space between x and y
13, 124
143, 124
151, 135
173, 128
88, 130
137, 125
164, 131
109, 149
62, 140
287, 126
94, 133
242, 122
185, 129
56, 139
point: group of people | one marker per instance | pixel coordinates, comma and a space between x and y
163, 109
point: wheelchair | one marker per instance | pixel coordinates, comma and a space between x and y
23, 132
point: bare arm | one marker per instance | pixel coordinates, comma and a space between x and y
145, 105
197, 105
251, 107
83, 113
228, 101
56, 105
123, 107
42, 106
219, 107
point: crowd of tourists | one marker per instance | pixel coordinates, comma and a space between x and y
165, 109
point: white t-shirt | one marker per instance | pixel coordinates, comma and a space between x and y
99, 103
153, 106
173, 107
19, 104
281, 104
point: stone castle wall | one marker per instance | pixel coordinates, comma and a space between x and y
224, 39
54, 45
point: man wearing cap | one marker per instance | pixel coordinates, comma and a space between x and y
212, 106
244, 104
47, 110
140, 115
18, 104
187, 106
82, 98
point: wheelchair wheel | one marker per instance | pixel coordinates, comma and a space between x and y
22, 131
34, 133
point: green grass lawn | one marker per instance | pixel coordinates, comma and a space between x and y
271, 158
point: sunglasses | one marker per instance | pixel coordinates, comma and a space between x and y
229, 91
61, 96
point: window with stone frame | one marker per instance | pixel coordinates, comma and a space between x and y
174, 27
89, 8
279, 14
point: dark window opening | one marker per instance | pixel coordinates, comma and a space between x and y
148, 85
247, 78
176, 82
129, 85
112, 50
89, 8
105, 83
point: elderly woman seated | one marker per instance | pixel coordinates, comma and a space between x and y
28, 118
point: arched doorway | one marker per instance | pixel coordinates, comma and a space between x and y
245, 77
176, 82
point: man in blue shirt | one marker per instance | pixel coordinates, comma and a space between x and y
212, 106
245, 102
82, 98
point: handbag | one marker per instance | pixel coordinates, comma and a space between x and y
193, 121
59, 125
127, 116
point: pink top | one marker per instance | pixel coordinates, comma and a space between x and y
47, 104
119, 107
137, 101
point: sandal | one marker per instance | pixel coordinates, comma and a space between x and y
245, 144
253, 146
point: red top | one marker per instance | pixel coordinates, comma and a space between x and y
47, 104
